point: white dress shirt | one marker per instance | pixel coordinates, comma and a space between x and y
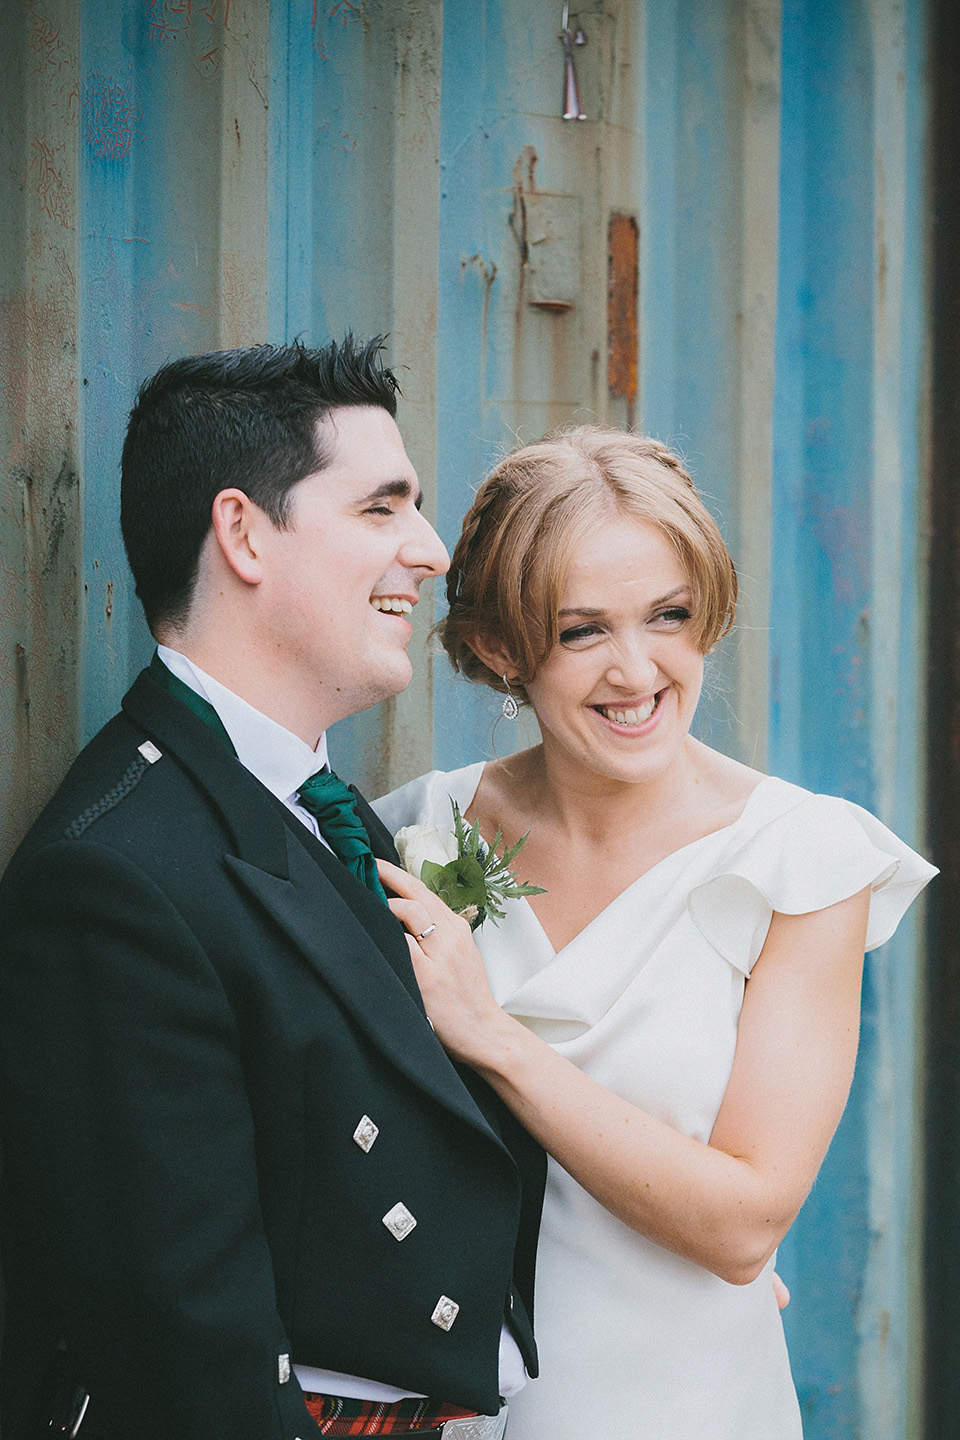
282, 762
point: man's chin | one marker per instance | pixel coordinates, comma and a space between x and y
390, 683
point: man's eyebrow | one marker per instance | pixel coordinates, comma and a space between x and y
399, 489
591, 612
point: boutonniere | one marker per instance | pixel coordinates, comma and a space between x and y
473, 880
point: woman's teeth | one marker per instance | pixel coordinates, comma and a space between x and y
389, 602
629, 717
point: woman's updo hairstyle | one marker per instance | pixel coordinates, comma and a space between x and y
530, 515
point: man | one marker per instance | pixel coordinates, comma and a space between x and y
245, 1190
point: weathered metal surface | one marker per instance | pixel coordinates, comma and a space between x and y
942, 1009
173, 154
39, 463
354, 201
413, 174
844, 618
623, 328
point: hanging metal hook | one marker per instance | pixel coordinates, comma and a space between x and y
572, 108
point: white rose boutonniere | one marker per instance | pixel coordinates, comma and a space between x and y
416, 843
473, 880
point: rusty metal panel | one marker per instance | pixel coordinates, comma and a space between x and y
173, 171
354, 172
39, 462
942, 1009
413, 174
845, 617
623, 332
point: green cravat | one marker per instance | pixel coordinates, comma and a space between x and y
335, 810
324, 794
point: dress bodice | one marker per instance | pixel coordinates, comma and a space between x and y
646, 999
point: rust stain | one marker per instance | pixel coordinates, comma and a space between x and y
487, 270
168, 19
46, 42
111, 119
623, 330
524, 184
32, 371
51, 185
21, 663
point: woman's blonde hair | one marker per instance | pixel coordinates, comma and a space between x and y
510, 564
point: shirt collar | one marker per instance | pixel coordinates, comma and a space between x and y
279, 759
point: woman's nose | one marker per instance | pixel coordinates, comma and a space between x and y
634, 670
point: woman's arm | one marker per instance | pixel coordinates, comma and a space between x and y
725, 1205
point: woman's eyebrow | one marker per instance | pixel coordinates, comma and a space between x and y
592, 613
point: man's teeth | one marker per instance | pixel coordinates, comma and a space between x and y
389, 602
629, 717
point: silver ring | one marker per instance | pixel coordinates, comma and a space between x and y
424, 933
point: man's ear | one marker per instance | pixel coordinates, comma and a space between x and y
493, 654
237, 522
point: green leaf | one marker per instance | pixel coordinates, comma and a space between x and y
480, 876
429, 871
458, 883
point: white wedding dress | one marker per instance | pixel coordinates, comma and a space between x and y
635, 1342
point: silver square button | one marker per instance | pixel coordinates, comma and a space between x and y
399, 1221
283, 1368
445, 1312
365, 1134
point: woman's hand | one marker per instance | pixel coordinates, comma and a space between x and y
449, 970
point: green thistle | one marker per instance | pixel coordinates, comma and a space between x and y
479, 881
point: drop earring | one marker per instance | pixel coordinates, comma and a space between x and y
510, 707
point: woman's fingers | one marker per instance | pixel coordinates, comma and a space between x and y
414, 917
401, 882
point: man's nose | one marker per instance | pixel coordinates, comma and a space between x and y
424, 550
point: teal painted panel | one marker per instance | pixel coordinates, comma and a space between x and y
149, 176
848, 1254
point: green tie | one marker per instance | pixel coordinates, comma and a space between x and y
324, 794
334, 809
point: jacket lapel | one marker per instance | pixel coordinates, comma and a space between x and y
327, 914
332, 939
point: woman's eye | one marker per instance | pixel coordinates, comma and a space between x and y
674, 617
578, 632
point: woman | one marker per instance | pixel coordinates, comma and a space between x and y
676, 1017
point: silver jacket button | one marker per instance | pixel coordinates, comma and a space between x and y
399, 1221
283, 1368
445, 1312
365, 1134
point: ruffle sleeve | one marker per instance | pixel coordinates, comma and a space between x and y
818, 852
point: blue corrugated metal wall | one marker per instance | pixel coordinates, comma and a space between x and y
186, 176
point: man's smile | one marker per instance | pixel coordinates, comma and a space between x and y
397, 604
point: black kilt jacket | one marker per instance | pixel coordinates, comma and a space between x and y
199, 1005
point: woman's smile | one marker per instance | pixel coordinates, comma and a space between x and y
631, 717
618, 691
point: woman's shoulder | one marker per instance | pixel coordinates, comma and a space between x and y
427, 800
796, 851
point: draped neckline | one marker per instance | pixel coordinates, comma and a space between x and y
628, 893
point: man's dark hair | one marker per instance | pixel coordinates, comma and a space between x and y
244, 419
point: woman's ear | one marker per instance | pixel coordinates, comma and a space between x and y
492, 653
